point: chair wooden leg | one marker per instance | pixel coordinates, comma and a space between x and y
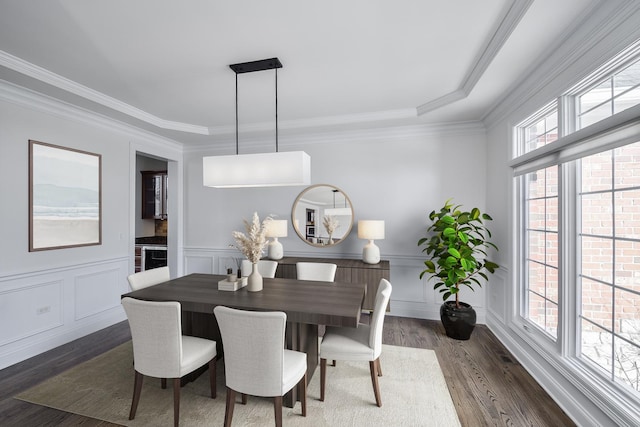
277, 408
212, 378
302, 390
379, 367
373, 366
163, 383
176, 402
323, 377
137, 388
244, 398
228, 412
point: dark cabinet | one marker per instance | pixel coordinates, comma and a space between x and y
154, 194
349, 270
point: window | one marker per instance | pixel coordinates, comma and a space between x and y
540, 130
541, 259
541, 225
610, 95
609, 277
578, 205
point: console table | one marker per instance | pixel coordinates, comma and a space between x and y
349, 271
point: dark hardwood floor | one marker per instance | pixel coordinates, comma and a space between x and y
488, 386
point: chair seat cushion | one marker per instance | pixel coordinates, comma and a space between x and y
342, 343
295, 366
196, 352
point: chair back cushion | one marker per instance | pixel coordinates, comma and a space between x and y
253, 345
319, 271
148, 278
377, 317
266, 268
156, 332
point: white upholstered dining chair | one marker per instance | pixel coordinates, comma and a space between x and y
266, 268
318, 271
362, 343
255, 360
161, 351
147, 278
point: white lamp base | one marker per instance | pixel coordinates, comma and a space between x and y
371, 253
275, 250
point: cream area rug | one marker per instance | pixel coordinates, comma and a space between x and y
413, 389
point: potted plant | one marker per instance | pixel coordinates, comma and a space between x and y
456, 244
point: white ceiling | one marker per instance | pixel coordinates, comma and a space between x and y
163, 64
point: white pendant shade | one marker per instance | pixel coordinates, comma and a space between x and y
337, 211
257, 170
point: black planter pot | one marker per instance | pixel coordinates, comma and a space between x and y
458, 322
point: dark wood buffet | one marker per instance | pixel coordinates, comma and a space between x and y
349, 271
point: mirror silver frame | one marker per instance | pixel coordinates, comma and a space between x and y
313, 224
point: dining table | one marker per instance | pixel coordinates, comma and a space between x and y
307, 304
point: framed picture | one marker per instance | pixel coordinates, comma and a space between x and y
311, 230
65, 194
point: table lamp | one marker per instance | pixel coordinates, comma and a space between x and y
276, 228
371, 230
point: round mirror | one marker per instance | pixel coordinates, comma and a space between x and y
322, 215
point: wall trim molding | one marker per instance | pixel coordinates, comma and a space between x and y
28, 98
511, 16
28, 69
395, 133
67, 267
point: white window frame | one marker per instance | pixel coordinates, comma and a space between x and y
615, 131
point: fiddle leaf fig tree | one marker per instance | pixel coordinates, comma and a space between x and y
456, 244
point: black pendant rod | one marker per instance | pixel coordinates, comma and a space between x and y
250, 67
276, 108
237, 152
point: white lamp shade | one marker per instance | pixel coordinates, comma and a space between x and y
277, 228
371, 229
257, 170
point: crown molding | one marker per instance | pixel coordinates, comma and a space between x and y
32, 100
353, 136
28, 69
511, 16
603, 30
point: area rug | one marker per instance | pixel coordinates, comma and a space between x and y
413, 389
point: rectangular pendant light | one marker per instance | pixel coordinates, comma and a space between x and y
257, 170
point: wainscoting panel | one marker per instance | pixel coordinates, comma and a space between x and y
30, 310
199, 262
94, 293
51, 307
496, 300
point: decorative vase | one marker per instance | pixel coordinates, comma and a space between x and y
254, 283
458, 322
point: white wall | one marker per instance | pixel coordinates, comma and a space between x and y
601, 36
51, 297
398, 175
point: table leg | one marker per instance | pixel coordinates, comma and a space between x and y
302, 337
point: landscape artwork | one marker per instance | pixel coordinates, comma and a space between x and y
64, 197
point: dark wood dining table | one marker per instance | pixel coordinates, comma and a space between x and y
307, 305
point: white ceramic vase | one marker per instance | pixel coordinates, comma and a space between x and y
254, 283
